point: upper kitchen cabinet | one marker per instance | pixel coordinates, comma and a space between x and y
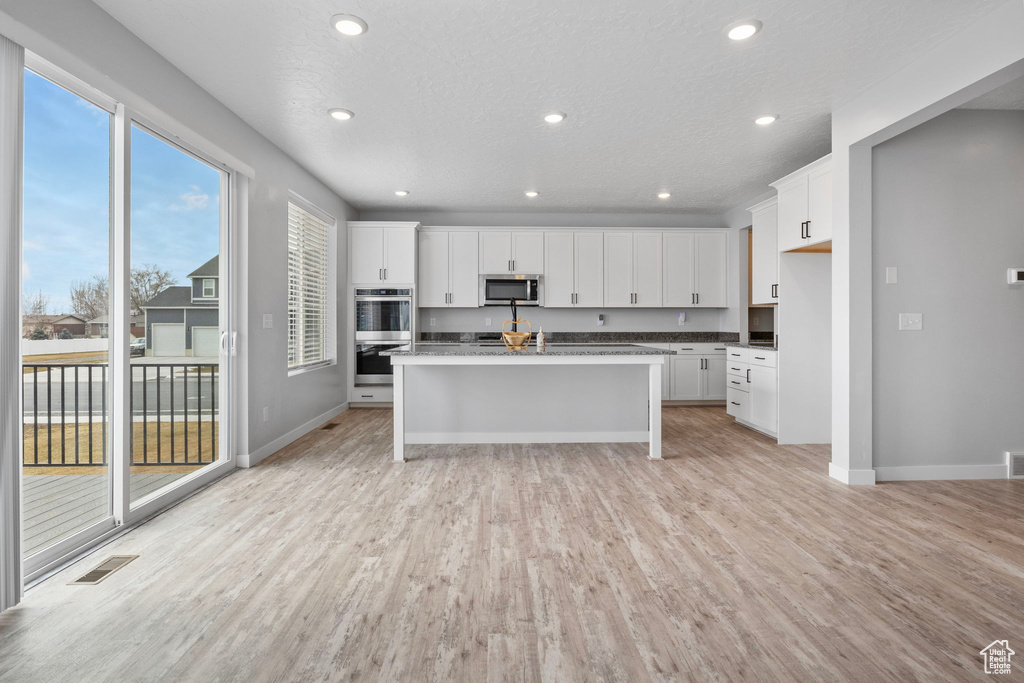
511, 251
696, 269
573, 269
764, 258
382, 253
632, 269
448, 272
805, 206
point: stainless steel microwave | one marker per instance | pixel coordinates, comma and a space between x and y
498, 290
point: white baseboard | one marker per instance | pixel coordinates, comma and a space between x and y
851, 477
762, 430
528, 437
940, 472
254, 458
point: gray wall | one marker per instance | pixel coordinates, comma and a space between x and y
82, 39
948, 211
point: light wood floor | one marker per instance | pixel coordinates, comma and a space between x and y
734, 559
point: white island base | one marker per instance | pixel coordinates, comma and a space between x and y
527, 397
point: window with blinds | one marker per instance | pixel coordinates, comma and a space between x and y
307, 288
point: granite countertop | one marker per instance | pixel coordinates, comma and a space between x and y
432, 349
591, 337
762, 347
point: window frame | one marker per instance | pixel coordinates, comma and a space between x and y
213, 288
330, 299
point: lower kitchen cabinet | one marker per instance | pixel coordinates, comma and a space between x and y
752, 393
698, 372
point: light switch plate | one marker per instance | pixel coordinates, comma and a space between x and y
890, 275
433, 322
911, 321
268, 321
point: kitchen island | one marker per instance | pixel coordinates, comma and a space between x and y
479, 393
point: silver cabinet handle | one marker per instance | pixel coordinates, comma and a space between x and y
380, 274
385, 273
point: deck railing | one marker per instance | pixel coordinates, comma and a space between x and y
175, 417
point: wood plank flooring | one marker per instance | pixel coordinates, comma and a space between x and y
733, 560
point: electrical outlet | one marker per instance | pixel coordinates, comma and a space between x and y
890, 275
487, 321
911, 321
681, 318
433, 322
600, 319
266, 413
268, 321
756, 321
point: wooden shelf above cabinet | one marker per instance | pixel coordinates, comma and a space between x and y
820, 248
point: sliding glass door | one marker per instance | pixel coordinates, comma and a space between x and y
126, 327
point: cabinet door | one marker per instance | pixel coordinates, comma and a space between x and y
495, 252
528, 252
819, 207
765, 257
618, 269
711, 269
714, 378
434, 282
764, 398
589, 262
678, 269
647, 269
464, 270
686, 378
792, 214
400, 256
366, 255
559, 286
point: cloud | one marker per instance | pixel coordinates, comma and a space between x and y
192, 200
26, 272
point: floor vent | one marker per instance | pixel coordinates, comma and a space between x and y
103, 570
329, 425
1015, 461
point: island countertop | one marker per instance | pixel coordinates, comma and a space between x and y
428, 349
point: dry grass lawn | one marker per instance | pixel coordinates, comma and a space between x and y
198, 453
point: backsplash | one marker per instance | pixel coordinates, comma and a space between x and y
571, 319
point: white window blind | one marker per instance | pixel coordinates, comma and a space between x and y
307, 288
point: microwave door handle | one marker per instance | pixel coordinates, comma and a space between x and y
529, 290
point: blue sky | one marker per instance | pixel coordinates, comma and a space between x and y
175, 197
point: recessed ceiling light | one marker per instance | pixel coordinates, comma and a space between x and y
402, 193
341, 114
555, 117
531, 193
664, 195
349, 25
744, 29
766, 119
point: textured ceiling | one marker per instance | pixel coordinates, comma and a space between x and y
449, 96
1010, 96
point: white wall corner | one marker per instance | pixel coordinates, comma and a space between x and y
246, 460
851, 477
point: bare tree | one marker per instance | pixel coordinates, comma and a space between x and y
148, 280
89, 299
35, 304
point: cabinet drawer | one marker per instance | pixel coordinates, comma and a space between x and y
700, 349
736, 368
382, 394
737, 354
737, 404
737, 383
766, 359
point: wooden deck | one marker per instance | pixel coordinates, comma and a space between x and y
57, 505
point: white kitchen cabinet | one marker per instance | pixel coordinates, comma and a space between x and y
632, 269
382, 253
805, 206
573, 269
696, 269
764, 285
698, 372
752, 394
511, 251
448, 270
